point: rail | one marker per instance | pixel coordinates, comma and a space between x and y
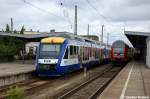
105, 77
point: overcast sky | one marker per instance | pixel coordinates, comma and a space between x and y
44, 15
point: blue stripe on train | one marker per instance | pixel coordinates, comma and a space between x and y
60, 70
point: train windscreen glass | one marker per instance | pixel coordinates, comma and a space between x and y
118, 50
49, 51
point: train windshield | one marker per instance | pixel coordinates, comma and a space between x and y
50, 51
118, 50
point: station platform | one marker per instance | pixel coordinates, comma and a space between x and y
13, 72
133, 82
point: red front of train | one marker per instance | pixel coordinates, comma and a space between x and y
119, 52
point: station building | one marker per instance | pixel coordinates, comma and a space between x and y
92, 37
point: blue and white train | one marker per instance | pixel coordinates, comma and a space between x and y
59, 55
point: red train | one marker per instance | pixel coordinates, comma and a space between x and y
120, 52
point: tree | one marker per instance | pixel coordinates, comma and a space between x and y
15, 31
7, 29
22, 30
9, 46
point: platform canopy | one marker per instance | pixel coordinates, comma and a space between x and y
41, 35
32, 36
138, 40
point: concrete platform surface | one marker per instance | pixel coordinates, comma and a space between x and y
13, 68
133, 82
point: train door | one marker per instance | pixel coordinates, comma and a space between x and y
81, 56
89, 54
100, 56
97, 53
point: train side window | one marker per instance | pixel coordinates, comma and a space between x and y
94, 52
77, 48
71, 50
74, 50
66, 54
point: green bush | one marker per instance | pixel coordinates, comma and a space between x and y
16, 93
9, 46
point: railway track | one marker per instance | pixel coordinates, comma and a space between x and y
33, 86
29, 87
93, 87
21, 83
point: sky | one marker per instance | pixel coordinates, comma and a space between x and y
44, 15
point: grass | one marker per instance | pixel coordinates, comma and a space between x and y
16, 92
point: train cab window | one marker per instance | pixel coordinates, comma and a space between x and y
66, 54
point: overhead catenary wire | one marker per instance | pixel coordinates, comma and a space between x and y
65, 12
106, 18
63, 3
39, 8
100, 14
70, 15
43, 10
66, 16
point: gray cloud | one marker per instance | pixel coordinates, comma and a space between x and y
137, 2
50, 14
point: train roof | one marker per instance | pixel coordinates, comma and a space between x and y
121, 41
74, 37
